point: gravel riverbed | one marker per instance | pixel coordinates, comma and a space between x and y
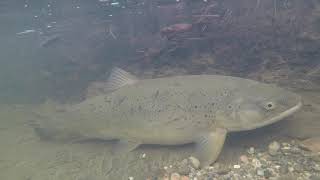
278, 161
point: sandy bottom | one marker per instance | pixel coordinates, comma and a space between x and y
23, 156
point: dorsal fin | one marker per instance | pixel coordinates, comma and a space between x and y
119, 78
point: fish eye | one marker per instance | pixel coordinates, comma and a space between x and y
269, 105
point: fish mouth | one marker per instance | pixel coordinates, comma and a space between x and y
281, 116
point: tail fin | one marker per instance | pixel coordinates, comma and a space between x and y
51, 129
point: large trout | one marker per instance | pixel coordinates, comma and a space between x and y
198, 109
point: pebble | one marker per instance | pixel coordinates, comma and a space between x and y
184, 178
286, 148
221, 170
175, 176
267, 173
251, 150
131, 178
236, 166
244, 159
194, 162
283, 169
256, 163
165, 177
291, 169
260, 172
183, 167
273, 148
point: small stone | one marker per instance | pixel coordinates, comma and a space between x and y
184, 178
273, 148
267, 173
222, 170
251, 150
260, 172
175, 176
256, 163
143, 155
291, 169
165, 167
299, 168
131, 178
183, 167
165, 177
194, 162
286, 148
236, 166
283, 169
244, 159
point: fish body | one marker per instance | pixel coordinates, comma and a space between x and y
197, 109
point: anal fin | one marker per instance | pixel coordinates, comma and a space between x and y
209, 146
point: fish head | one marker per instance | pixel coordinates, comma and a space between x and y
260, 105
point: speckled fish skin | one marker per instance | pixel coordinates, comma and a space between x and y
158, 107
181, 109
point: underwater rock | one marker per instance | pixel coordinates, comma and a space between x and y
273, 148
175, 176
194, 162
251, 150
244, 159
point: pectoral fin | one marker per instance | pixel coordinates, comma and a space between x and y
124, 146
209, 146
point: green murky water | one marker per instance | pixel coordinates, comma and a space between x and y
45, 56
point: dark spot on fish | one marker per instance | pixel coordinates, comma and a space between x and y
175, 119
195, 106
131, 110
229, 106
107, 100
